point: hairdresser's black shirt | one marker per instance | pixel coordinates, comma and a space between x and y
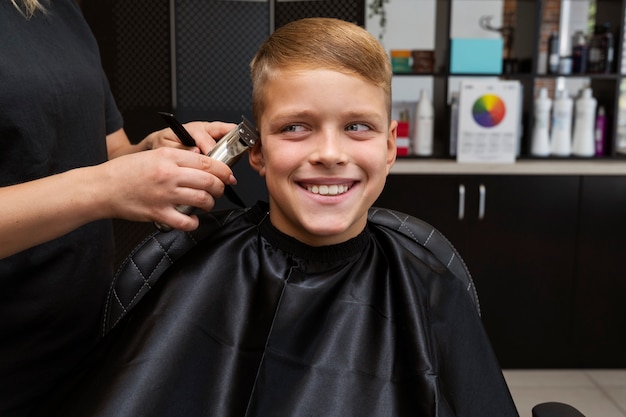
55, 111
251, 322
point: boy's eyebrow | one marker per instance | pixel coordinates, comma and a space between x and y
367, 114
351, 114
296, 114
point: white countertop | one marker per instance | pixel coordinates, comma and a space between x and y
520, 167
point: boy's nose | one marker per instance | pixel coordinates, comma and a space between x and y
330, 149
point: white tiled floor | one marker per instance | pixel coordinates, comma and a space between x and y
595, 393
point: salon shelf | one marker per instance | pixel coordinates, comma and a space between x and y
549, 166
514, 75
531, 21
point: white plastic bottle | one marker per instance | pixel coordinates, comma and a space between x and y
540, 145
584, 124
423, 132
561, 136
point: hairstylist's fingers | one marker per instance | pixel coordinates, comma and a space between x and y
177, 220
208, 165
179, 216
164, 138
200, 182
219, 129
148, 186
206, 134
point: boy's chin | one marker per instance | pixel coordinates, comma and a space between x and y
326, 232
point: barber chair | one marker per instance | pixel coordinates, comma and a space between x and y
554, 409
158, 251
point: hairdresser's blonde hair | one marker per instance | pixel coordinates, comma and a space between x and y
320, 43
28, 7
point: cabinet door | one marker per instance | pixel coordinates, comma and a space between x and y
521, 252
436, 199
518, 241
601, 273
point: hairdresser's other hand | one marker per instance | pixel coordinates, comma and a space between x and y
205, 134
147, 186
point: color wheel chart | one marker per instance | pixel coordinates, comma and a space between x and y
488, 110
489, 121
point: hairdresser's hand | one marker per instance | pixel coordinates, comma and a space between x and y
207, 134
204, 133
147, 186
140, 186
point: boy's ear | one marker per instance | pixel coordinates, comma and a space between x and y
255, 157
391, 144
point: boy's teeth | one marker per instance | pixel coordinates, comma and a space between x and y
333, 189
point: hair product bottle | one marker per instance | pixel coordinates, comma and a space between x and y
600, 58
540, 145
600, 137
561, 135
553, 53
423, 132
454, 122
579, 53
584, 121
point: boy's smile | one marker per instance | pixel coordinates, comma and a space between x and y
326, 148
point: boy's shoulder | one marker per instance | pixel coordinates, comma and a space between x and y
414, 229
411, 230
151, 258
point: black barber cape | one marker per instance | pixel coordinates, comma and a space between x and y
250, 322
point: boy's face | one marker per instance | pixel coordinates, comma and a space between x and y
326, 148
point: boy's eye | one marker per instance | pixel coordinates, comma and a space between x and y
357, 127
293, 128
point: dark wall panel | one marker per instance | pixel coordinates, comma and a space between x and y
215, 41
350, 10
134, 45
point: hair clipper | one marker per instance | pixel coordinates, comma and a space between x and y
227, 150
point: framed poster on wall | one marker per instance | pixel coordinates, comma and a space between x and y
489, 121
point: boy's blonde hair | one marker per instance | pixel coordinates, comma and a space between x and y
320, 43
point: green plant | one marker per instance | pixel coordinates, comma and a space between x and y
377, 8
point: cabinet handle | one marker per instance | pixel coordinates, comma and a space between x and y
461, 202
482, 191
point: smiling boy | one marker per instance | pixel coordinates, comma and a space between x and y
314, 304
322, 103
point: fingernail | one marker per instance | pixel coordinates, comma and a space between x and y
233, 180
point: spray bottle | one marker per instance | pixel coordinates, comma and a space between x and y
540, 139
584, 140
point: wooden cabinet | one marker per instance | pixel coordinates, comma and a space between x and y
600, 331
546, 254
